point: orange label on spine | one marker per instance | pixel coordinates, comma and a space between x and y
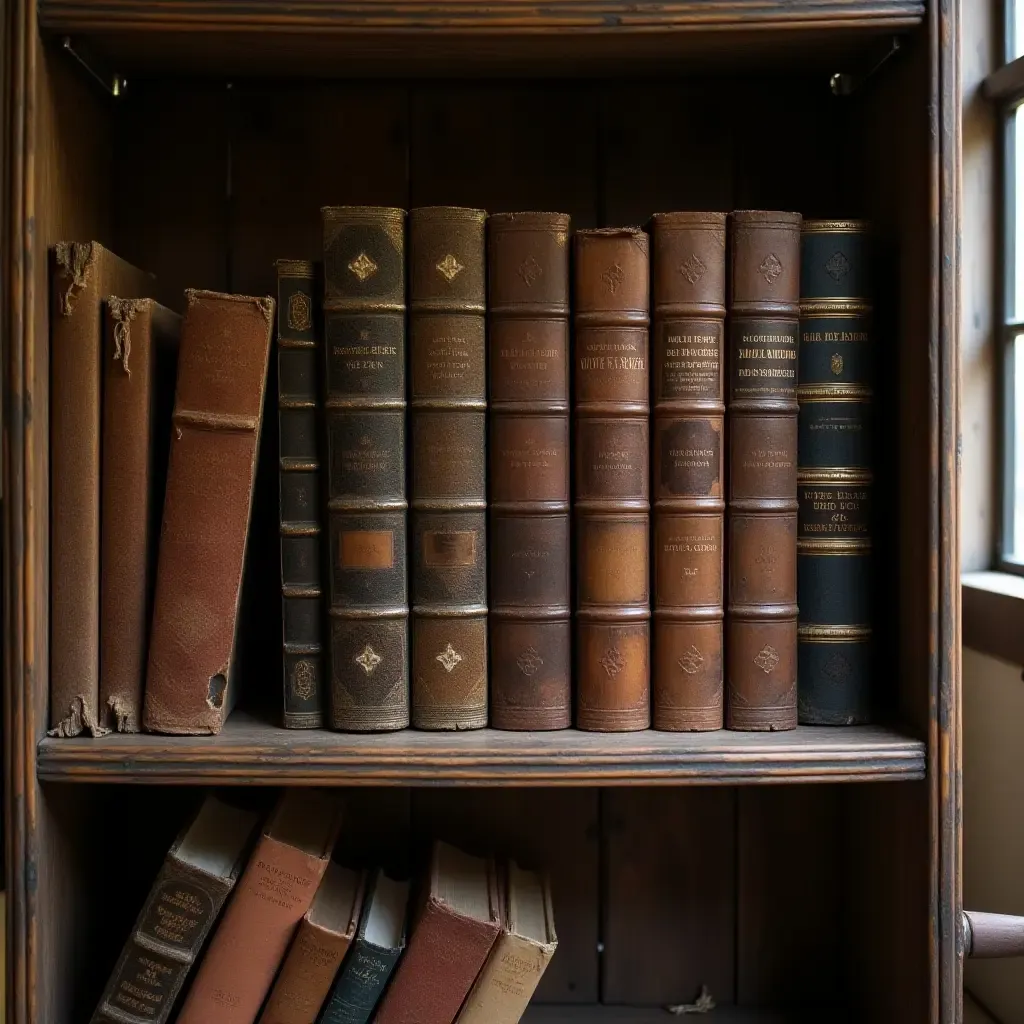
367, 549
456, 548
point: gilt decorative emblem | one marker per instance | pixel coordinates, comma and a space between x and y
613, 277
530, 271
300, 312
304, 679
450, 268
529, 662
449, 658
613, 662
691, 660
771, 268
363, 267
837, 363
767, 659
368, 660
692, 268
838, 266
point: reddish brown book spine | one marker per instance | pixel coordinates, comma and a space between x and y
270, 900
84, 274
218, 407
613, 607
761, 624
688, 469
448, 399
530, 630
140, 364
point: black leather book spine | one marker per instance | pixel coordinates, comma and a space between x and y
835, 475
360, 983
298, 363
364, 343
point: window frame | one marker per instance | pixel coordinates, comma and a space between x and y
1005, 88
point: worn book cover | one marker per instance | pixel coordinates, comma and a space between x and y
83, 275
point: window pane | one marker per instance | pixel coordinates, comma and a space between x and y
1015, 212
1016, 542
1015, 37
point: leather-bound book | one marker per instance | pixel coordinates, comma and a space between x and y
218, 408
835, 474
521, 954
613, 604
200, 871
83, 275
378, 945
530, 626
451, 937
364, 342
689, 469
299, 362
140, 365
761, 663
274, 893
319, 947
448, 398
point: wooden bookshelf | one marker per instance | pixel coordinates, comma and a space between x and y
249, 750
677, 859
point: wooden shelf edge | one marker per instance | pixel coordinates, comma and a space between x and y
462, 16
248, 751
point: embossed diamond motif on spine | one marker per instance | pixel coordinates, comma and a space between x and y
771, 268
837, 363
692, 268
530, 271
838, 266
304, 680
837, 668
529, 662
450, 268
691, 660
368, 660
613, 277
449, 658
363, 267
613, 662
767, 659
300, 312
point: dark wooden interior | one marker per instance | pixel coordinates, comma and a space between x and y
214, 161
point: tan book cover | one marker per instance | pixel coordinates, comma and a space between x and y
521, 954
272, 897
320, 945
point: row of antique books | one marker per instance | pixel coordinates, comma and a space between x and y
430, 519
302, 939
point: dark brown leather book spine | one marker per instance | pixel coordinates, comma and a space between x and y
83, 275
761, 622
299, 430
449, 487
688, 469
218, 408
364, 343
530, 626
613, 604
140, 365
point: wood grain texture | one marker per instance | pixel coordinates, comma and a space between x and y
554, 830
669, 899
248, 750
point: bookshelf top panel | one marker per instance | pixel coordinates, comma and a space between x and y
249, 750
363, 38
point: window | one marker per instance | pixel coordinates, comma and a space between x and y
1006, 87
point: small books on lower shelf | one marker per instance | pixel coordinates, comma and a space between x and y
326, 942
200, 871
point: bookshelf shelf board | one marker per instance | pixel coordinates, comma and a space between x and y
249, 750
656, 1015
